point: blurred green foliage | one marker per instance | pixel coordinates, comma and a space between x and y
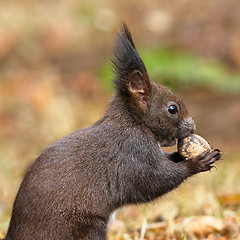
180, 70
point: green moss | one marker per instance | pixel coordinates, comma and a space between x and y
181, 70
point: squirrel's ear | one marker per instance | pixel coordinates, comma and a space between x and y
138, 88
131, 74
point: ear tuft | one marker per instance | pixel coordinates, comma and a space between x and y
127, 34
127, 62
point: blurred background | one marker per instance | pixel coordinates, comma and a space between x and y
55, 78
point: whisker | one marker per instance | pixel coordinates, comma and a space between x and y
202, 115
203, 125
198, 116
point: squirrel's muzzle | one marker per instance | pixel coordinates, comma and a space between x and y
186, 127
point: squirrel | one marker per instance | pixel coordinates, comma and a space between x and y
73, 187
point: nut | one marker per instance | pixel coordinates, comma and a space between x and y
192, 146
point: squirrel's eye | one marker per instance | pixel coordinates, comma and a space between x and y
173, 109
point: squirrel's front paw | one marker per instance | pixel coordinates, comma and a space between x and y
204, 161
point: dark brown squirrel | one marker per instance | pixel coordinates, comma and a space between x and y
72, 188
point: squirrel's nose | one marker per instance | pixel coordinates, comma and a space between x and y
186, 127
191, 124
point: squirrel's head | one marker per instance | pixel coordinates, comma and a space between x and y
148, 102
